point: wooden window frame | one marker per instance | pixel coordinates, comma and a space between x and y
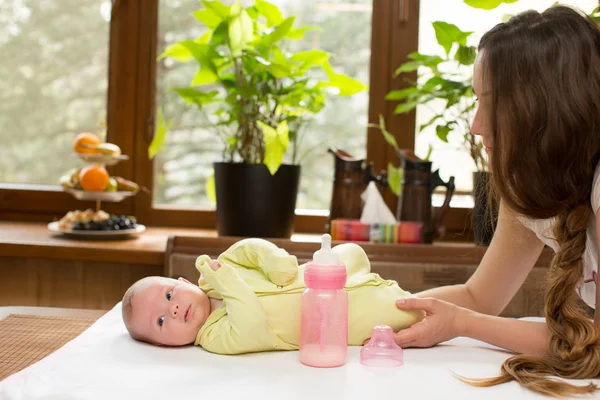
131, 119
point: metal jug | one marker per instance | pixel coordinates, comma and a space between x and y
418, 184
351, 178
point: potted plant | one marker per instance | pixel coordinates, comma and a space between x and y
439, 80
261, 94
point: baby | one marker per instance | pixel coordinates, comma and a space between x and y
248, 300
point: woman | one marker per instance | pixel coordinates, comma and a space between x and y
537, 79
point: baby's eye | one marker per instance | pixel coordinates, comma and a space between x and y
161, 321
169, 294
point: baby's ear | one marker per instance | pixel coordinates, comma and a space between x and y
184, 280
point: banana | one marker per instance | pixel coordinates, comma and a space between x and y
109, 149
125, 185
65, 182
70, 180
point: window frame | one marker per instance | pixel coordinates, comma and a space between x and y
131, 119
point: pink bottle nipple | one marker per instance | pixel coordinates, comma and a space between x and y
382, 351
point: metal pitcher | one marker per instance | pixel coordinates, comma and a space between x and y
418, 184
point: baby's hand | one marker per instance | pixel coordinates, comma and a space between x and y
214, 264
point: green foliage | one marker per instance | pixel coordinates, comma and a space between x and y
263, 93
439, 80
487, 4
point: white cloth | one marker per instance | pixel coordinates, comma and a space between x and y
543, 230
105, 363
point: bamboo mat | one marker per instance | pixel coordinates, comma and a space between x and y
26, 339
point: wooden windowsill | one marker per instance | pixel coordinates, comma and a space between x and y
34, 240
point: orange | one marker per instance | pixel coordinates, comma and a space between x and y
94, 178
86, 138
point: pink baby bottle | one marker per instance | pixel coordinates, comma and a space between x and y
324, 310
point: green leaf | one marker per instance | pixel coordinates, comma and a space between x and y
432, 84
236, 9
442, 132
241, 32
297, 34
428, 155
466, 55
401, 94
193, 96
389, 138
231, 142
448, 34
203, 77
310, 58
409, 66
219, 35
405, 107
178, 52
203, 53
211, 191
430, 122
252, 12
276, 144
281, 30
205, 37
395, 178
347, 86
270, 12
218, 7
208, 17
507, 17
160, 135
487, 4
419, 60
279, 70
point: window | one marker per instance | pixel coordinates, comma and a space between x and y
446, 156
106, 71
183, 165
53, 84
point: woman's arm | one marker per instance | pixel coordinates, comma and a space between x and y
503, 269
445, 321
469, 309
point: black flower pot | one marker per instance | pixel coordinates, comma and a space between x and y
484, 223
253, 203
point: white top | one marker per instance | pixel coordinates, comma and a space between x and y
543, 229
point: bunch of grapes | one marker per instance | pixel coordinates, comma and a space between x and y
113, 223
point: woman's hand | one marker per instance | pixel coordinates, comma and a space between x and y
443, 321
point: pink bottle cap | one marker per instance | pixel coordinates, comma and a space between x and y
382, 351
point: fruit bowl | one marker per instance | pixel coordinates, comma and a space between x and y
139, 228
96, 224
101, 196
105, 159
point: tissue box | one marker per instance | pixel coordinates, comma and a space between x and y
355, 231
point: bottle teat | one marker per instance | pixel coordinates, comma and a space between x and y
325, 256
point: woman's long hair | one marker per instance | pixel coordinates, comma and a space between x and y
542, 71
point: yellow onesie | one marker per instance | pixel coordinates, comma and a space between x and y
261, 284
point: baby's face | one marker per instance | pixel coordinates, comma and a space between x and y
169, 312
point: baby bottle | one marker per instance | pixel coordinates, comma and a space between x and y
324, 310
